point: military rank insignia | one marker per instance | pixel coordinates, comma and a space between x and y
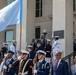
10, 65
43, 66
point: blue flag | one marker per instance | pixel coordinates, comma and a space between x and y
10, 15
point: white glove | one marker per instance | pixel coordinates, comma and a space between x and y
19, 58
4, 67
35, 71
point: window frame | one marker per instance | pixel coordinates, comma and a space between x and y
39, 10
6, 39
38, 33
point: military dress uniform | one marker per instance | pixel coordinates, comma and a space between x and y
55, 47
31, 52
10, 70
8, 65
48, 52
25, 67
43, 68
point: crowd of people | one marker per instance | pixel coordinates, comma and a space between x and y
37, 59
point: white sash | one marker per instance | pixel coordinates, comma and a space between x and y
24, 68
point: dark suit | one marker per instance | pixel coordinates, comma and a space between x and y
43, 41
61, 70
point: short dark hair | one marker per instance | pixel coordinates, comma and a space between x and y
74, 56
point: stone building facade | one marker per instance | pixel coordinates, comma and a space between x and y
56, 16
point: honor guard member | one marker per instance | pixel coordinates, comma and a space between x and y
4, 49
39, 46
48, 51
25, 66
31, 52
17, 61
55, 46
13, 48
8, 64
43, 67
43, 41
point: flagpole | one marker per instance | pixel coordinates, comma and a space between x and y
20, 24
20, 36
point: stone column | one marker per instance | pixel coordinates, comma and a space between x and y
63, 20
24, 24
18, 36
28, 20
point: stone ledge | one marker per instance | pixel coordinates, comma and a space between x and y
43, 19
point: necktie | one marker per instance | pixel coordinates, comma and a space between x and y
56, 65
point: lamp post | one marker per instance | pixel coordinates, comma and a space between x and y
44, 32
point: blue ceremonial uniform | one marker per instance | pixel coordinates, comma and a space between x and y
10, 70
43, 68
61, 70
39, 48
31, 54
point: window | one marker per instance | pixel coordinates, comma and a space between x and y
9, 37
38, 8
74, 5
37, 32
9, 1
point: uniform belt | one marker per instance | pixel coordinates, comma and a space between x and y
47, 51
25, 73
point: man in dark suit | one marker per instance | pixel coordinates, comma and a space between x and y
59, 66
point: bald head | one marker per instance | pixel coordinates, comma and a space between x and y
58, 55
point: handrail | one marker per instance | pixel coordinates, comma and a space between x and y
69, 57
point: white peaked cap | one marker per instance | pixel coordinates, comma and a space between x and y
29, 46
48, 40
5, 43
41, 52
14, 41
24, 51
56, 36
